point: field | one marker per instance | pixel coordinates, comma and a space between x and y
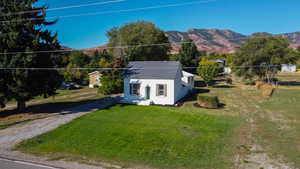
249, 131
155, 136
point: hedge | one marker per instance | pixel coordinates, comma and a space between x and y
211, 102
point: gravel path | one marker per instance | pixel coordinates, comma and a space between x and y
10, 136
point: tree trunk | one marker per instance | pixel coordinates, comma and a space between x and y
21, 106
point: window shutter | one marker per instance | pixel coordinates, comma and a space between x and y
138, 89
130, 89
165, 88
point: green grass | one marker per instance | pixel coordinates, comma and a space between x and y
184, 137
153, 136
58, 94
279, 127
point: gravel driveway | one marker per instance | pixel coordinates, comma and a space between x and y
10, 136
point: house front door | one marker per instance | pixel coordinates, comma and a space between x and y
148, 92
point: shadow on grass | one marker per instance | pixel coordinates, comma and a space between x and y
54, 107
220, 106
289, 83
223, 86
193, 95
200, 83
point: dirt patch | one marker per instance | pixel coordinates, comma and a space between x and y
257, 158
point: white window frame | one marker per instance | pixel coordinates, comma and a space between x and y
190, 80
133, 91
161, 91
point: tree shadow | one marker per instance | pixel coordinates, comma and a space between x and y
289, 83
57, 107
223, 86
199, 83
220, 106
193, 95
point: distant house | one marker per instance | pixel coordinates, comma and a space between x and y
288, 68
95, 79
227, 70
156, 82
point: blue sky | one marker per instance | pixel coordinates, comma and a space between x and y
244, 16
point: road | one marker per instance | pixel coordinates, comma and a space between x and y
14, 164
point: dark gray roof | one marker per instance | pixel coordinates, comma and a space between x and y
152, 70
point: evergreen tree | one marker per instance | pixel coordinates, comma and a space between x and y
94, 61
189, 54
77, 60
25, 32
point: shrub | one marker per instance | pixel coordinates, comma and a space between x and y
211, 102
228, 81
249, 82
266, 89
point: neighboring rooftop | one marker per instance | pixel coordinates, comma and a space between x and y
153, 69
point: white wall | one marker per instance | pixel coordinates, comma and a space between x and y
163, 100
288, 68
227, 70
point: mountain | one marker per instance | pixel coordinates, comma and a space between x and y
294, 39
90, 51
213, 40
216, 40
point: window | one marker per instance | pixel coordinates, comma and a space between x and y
98, 79
190, 80
161, 90
135, 89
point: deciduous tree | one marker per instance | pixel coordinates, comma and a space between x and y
139, 41
208, 71
261, 57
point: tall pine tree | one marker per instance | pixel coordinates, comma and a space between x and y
189, 54
23, 29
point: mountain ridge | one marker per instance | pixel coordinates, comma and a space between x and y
220, 40
212, 40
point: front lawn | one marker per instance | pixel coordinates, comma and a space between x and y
153, 136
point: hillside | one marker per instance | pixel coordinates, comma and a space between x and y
216, 40
212, 40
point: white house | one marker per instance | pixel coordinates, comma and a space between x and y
288, 68
227, 70
156, 82
94, 79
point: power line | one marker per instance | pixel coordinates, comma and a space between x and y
115, 11
126, 68
114, 47
64, 7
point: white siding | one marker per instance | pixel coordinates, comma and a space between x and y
182, 87
152, 83
227, 70
288, 68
